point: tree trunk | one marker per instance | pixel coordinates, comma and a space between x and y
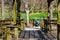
42, 5
27, 12
51, 11
3, 14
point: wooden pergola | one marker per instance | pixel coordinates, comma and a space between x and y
15, 21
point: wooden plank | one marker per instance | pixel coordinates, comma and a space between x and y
12, 26
26, 34
36, 34
40, 34
45, 36
49, 36
31, 34
22, 34
53, 36
30, 39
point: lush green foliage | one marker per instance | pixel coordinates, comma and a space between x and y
6, 15
35, 15
31, 15
54, 14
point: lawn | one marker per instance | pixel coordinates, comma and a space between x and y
35, 15
31, 15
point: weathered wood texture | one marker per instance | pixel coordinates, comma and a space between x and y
36, 34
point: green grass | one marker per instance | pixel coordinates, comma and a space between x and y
35, 15
31, 16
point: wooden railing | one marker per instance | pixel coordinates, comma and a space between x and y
47, 24
9, 30
12, 32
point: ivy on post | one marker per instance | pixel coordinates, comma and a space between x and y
14, 12
8, 34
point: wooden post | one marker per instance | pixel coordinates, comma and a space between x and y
49, 11
58, 22
50, 15
58, 14
8, 34
51, 5
14, 13
16, 33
